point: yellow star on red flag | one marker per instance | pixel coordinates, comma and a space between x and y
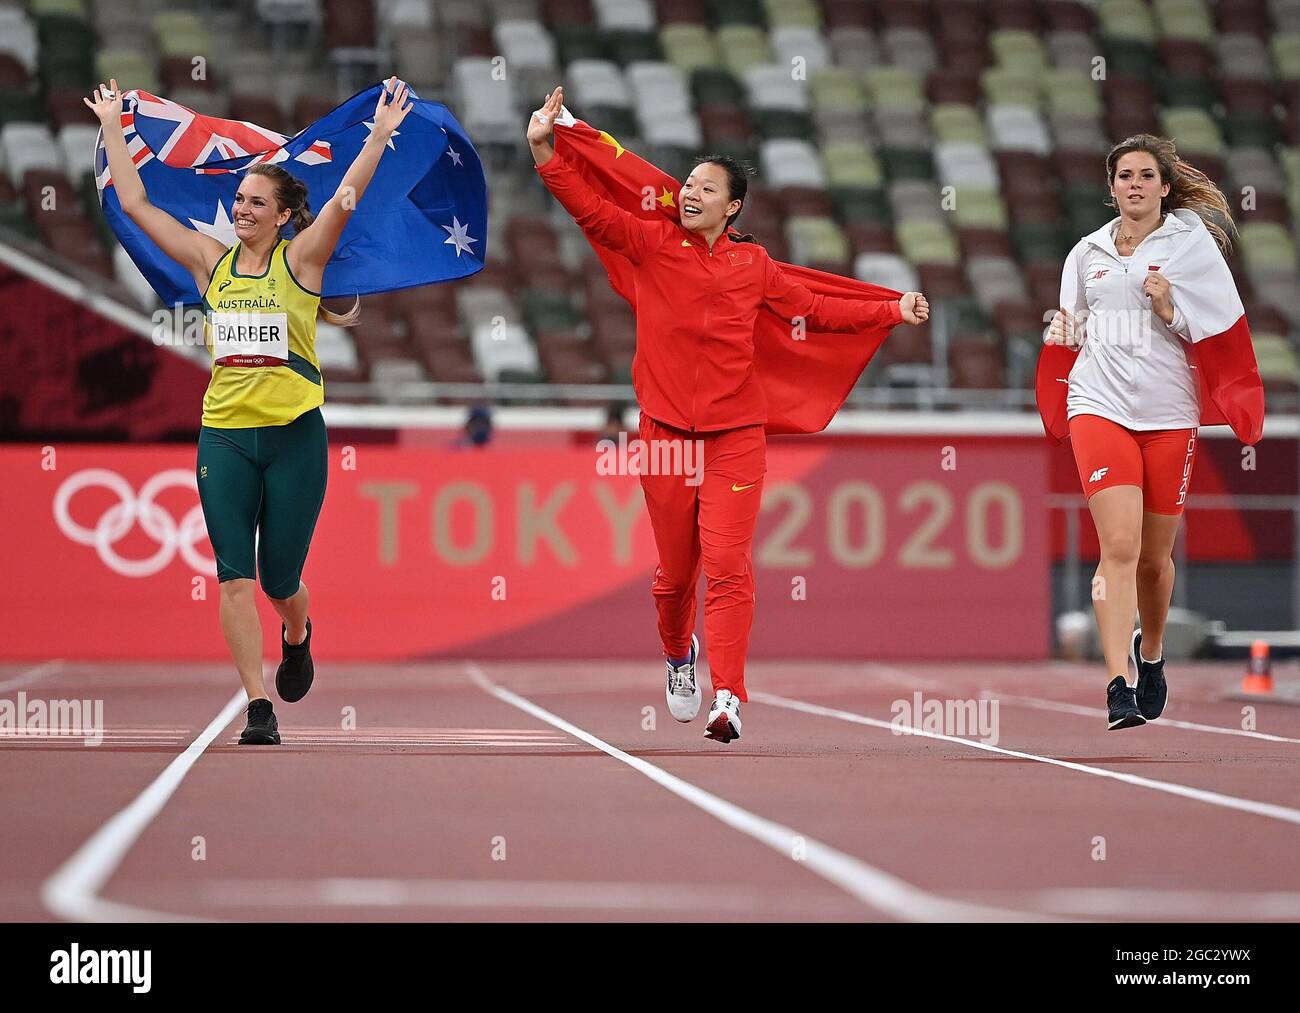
608, 138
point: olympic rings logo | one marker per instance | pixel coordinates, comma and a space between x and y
120, 518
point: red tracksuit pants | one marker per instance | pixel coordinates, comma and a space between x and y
706, 519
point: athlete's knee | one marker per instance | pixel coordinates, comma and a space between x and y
279, 588
1122, 548
1151, 569
237, 587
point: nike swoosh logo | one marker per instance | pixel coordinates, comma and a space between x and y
742, 488
686, 242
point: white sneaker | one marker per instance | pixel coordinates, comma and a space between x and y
683, 692
724, 717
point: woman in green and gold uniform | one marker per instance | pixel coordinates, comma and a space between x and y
262, 449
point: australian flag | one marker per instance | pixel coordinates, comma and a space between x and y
423, 217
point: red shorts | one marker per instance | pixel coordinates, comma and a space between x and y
1157, 461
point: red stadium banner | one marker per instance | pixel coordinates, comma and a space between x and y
910, 547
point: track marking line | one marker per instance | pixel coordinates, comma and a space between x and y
1039, 703
1267, 809
873, 887
46, 668
72, 892
497, 893
1130, 902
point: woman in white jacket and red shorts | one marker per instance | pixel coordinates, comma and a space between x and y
1135, 296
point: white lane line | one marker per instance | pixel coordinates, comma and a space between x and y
32, 675
1132, 903
1097, 712
873, 887
1267, 809
496, 893
72, 892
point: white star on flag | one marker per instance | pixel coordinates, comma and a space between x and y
221, 228
458, 236
370, 125
453, 154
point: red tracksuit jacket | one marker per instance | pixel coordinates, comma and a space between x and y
696, 307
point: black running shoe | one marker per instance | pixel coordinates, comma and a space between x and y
293, 677
1152, 690
1121, 700
262, 728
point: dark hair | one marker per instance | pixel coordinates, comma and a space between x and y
290, 192
738, 174
1188, 186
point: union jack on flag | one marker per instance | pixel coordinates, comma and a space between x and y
423, 217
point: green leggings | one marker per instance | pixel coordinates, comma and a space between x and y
262, 490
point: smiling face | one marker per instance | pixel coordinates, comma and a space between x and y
256, 211
1137, 188
705, 200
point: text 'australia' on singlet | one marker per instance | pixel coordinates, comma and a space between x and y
261, 331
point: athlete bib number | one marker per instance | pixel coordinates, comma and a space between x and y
250, 339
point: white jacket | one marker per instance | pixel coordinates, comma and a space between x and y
1132, 367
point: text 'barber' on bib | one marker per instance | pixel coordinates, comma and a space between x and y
250, 339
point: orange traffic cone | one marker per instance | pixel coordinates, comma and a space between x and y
1259, 675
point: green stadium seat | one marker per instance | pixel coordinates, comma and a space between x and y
785, 123
1018, 49
1179, 90
1267, 247
837, 90
714, 86
131, 69
1126, 19
815, 239
1277, 360
1193, 130
927, 242
1184, 19
579, 43
743, 46
803, 13
627, 45
852, 166
1040, 241
736, 12
857, 206
1285, 47
955, 121
70, 8
1072, 91
895, 89
901, 164
979, 209
689, 47
1012, 86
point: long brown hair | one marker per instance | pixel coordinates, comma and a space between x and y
291, 193
1188, 187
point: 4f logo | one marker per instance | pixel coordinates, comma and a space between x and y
1101, 274
1098, 474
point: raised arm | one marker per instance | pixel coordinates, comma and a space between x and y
791, 299
312, 248
193, 250
599, 218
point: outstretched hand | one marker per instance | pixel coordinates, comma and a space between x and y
542, 122
392, 106
106, 103
915, 308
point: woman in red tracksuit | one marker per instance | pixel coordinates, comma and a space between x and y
698, 295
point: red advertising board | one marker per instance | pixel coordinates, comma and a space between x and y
905, 547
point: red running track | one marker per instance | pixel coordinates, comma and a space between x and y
511, 791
